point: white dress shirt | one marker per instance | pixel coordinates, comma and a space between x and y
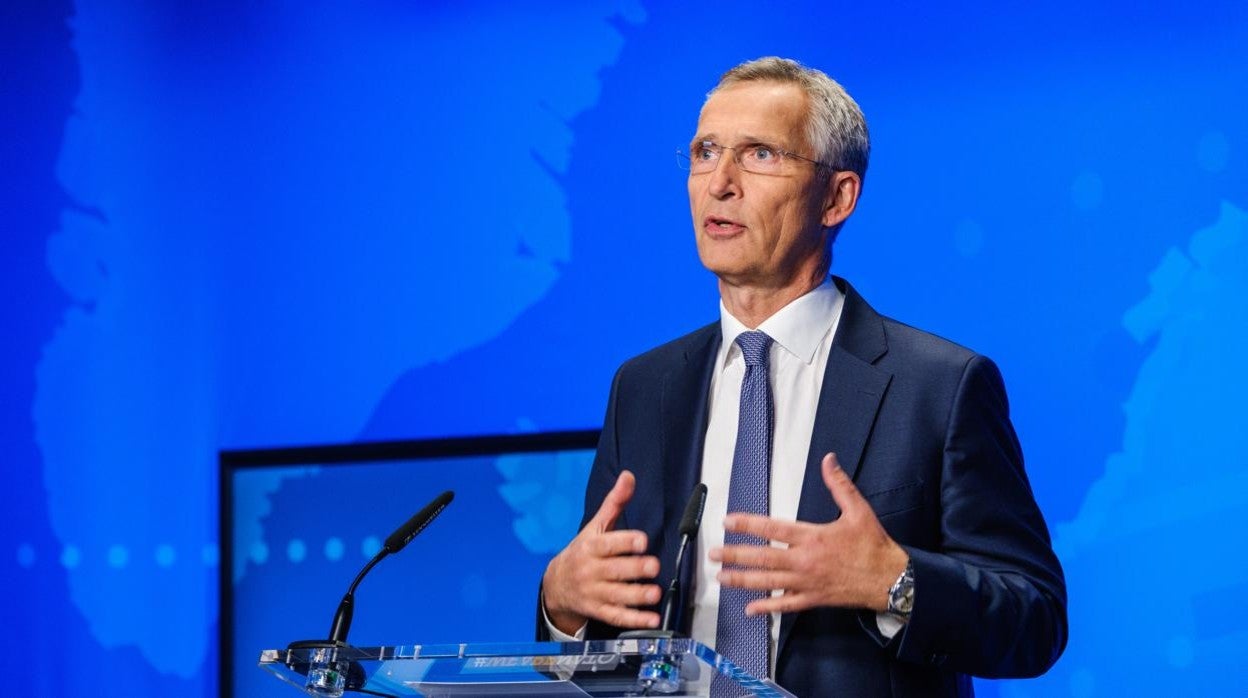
802, 332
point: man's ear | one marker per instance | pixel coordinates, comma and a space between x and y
841, 197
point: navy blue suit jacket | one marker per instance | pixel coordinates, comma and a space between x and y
922, 427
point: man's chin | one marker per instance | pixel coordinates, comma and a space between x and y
721, 265
722, 256
738, 274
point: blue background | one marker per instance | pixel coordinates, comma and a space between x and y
238, 224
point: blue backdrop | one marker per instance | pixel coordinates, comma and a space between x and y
238, 224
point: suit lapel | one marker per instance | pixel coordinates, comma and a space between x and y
849, 400
684, 415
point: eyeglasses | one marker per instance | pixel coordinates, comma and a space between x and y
759, 158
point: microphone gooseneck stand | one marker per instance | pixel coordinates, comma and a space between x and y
659, 672
327, 674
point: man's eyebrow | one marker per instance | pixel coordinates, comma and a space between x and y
746, 139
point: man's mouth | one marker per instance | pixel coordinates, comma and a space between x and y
721, 227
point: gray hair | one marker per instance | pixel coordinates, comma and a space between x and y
835, 125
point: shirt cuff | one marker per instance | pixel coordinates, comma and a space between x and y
557, 635
888, 624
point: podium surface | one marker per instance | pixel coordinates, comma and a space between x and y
601, 668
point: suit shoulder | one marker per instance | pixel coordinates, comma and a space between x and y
897, 346
668, 354
917, 349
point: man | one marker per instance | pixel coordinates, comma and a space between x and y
881, 536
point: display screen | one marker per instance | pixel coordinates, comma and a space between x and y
298, 533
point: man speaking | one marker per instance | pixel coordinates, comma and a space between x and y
869, 528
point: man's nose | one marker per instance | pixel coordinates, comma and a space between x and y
725, 178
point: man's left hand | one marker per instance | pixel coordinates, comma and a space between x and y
848, 563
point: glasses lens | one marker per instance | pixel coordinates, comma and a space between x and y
760, 158
703, 157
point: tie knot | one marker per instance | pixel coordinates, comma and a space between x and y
754, 345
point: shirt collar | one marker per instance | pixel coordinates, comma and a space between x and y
798, 327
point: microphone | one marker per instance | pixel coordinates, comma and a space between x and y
689, 525
660, 671
394, 543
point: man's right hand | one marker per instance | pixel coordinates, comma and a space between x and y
601, 573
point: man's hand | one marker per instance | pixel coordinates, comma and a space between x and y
597, 575
848, 563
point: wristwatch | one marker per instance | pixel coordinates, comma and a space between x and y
901, 594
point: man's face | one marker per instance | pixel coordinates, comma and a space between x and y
759, 230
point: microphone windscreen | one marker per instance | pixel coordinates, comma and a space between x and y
692, 519
405, 533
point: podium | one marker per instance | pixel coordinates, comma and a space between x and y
601, 668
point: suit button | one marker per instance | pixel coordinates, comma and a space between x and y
937, 658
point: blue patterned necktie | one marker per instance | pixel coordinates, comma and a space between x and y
744, 640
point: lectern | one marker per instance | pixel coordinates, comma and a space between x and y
603, 668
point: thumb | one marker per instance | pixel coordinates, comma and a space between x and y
844, 493
615, 501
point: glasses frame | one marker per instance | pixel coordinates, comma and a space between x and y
684, 159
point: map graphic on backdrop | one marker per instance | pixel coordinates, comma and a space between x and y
359, 278
1170, 484
296, 225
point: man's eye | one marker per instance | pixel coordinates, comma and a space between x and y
704, 151
763, 153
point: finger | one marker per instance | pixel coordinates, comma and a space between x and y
757, 556
625, 617
766, 527
625, 594
843, 490
788, 602
623, 569
757, 580
615, 501
614, 543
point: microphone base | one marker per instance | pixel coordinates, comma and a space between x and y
329, 673
658, 673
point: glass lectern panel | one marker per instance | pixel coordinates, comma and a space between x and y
604, 669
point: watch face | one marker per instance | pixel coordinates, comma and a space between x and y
905, 600
901, 596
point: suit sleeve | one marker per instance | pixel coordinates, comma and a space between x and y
991, 601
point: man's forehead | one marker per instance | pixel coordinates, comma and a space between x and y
758, 110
